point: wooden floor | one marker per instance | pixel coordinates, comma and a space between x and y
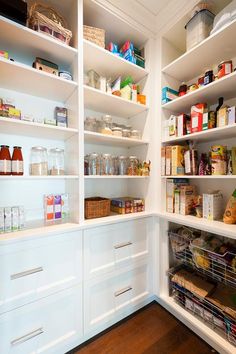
150, 331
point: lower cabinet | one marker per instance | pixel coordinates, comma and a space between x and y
113, 294
52, 325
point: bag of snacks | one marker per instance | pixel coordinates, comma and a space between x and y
230, 211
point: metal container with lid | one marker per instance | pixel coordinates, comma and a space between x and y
56, 162
38, 161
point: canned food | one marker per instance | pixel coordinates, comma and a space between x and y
225, 68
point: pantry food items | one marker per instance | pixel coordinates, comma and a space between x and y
45, 65
230, 211
5, 160
225, 68
38, 161
61, 116
213, 205
218, 159
197, 112
17, 164
187, 198
168, 94
56, 207
12, 219
177, 160
127, 205
56, 162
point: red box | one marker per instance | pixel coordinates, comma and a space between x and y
197, 117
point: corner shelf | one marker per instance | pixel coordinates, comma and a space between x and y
45, 131
104, 139
103, 102
110, 65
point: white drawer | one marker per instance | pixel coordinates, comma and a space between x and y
113, 295
30, 271
47, 326
107, 248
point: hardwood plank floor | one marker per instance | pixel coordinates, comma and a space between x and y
152, 330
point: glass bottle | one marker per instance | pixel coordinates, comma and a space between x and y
5, 160
17, 164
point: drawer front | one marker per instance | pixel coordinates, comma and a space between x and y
108, 247
46, 326
114, 294
42, 268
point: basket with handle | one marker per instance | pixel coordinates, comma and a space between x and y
45, 19
97, 207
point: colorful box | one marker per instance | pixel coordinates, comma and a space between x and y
177, 160
168, 95
61, 116
222, 117
57, 206
205, 119
49, 207
181, 125
197, 112
172, 185
65, 206
173, 125
213, 206
231, 115
187, 195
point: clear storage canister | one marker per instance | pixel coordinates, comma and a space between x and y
106, 164
122, 165
133, 166
126, 133
90, 124
115, 167
117, 131
56, 162
106, 125
38, 161
135, 134
94, 164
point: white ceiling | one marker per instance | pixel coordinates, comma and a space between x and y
153, 6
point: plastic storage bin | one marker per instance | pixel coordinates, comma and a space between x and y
198, 28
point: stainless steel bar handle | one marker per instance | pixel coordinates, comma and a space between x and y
27, 336
26, 273
122, 291
121, 245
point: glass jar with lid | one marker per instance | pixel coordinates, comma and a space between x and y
38, 161
126, 133
115, 167
93, 168
90, 124
56, 162
117, 131
133, 166
122, 165
106, 164
106, 125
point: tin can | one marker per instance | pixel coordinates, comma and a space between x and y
225, 68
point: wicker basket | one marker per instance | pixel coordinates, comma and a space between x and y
45, 19
97, 207
95, 35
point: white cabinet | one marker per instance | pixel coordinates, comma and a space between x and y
32, 270
114, 294
109, 247
50, 326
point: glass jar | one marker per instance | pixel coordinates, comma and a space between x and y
117, 131
38, 161
115, 167
5, 160
126, 133
86, 165
56, 162
122, 165
17, 165
90, 124
135, 134
106, 164
133, 166
106, 125
93, 160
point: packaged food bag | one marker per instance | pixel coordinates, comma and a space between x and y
230, 211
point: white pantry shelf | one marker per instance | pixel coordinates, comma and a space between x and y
217, 227
23, 78
17, 38
202, 177
27, 177
45, 131
224, 87
104, 139
217, 341
114, 177
110, 65
228, 131
209, 53
102, 102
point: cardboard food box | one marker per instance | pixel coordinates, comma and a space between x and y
168, 160
222, 117
213, 206
231, 115
177, 160
168, 95
181, 125
172, 185
197, 112
163, 161
187, 195
173, 125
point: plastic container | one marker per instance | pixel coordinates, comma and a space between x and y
198, 28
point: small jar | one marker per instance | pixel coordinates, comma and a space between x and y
225, 68
122, 165
106, 125
126, 133
93, 164
106, 164
133, 166
5, 160
200, 81
135, 134
56, 162
90, 124
17, 164
117, 131
209, 77
38, 161
183, 89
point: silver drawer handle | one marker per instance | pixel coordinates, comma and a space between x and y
122, 291
26, 273
121, 245
27, 336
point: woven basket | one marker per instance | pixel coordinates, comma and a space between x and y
45, 19
97, 207
95, 35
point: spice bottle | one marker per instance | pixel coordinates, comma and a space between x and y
209, 77
17, 165
5, 160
